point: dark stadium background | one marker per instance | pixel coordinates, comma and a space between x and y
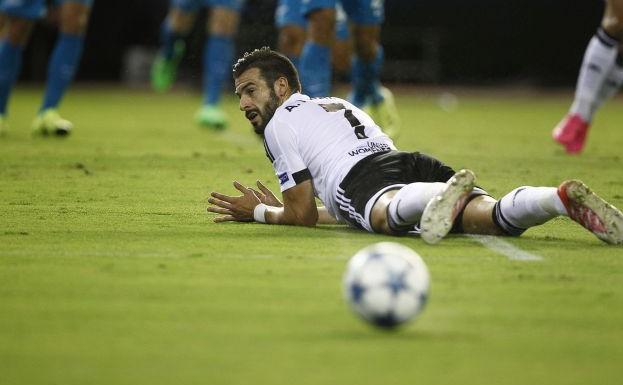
476, 42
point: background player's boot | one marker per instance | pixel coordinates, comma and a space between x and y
50, 122
385, 113
164, 71
442, 210
592, 212
211, 116
571, 133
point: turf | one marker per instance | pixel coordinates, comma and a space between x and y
111, 271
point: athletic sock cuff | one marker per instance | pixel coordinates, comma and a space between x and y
606, 39
503, 223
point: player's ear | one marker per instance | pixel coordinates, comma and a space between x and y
282, 87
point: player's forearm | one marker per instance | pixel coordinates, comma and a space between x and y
286, 216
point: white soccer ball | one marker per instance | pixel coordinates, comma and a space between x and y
386, 284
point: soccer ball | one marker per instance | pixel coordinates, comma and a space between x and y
386, 284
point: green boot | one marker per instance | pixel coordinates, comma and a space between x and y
50, 122
211, 116
164, 71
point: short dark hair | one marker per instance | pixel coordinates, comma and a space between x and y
272, 66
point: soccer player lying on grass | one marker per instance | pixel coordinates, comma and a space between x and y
327, 147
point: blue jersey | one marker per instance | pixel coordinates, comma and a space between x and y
31, 9
366, 12
290, 12
194, 5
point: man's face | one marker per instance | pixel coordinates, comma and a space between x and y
258, 100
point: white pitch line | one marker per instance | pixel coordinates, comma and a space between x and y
502, 247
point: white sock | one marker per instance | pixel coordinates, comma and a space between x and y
611, 85
528, 206
408, 204
598, 60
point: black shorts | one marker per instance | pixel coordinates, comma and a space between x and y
382, 172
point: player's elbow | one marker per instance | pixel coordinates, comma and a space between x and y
308, 219
304, 218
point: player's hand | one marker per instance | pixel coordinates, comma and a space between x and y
266, 196
234, 208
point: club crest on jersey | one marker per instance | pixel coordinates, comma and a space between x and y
283, 178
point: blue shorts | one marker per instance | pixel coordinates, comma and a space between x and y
366, 12
290, 12
31, 9
195, 5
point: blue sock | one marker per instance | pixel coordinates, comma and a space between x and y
61, 68
218, 53
315, 68
366, 79
168, 37
10, 65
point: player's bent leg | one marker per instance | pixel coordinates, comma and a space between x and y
172, 33
440, 213
592, 212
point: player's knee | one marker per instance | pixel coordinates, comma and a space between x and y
74, 18
612, 21
366, 42
291, 40
379, 219
322, 26
180, 21
223, 21
18, 30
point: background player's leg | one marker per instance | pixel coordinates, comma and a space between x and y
290, 42
612, 84
368, 92
15, 36
366, 66
290, 21
62, 67
315, 61
173, 31
218, 54
597, 66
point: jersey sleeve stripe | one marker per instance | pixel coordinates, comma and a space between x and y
301, 176
269, 154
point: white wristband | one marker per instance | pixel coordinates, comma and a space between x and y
259, 213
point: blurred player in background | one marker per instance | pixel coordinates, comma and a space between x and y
218, 51
365, 17
19, 18
601, 76
328, 148
291, 22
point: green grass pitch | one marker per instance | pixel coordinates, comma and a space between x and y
112, 272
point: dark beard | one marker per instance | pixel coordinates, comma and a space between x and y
267, 114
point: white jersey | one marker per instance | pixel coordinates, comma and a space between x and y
320, 139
